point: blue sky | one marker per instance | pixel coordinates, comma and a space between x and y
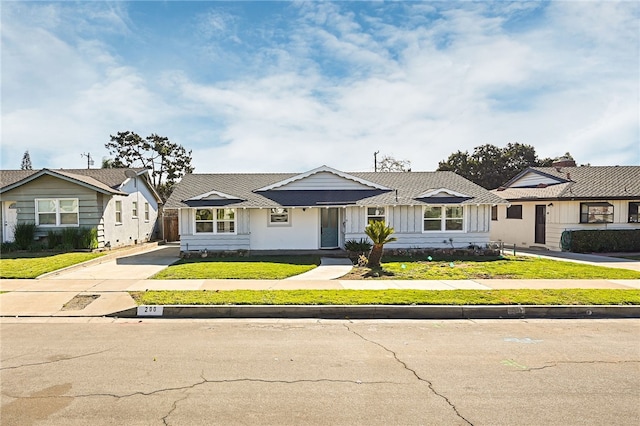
289, 86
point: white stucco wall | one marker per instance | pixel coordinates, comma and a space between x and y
132, 230
515, 231
301, 234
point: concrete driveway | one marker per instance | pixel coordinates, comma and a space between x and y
137, 266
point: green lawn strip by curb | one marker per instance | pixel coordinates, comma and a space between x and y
40, 263
390, 297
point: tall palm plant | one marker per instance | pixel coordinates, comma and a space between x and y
380, 234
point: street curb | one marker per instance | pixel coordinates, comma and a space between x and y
388, 311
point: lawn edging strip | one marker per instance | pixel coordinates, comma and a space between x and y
391, 311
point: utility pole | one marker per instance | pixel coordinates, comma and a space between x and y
89, 159
375, 161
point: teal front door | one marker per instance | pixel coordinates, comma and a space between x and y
329, 228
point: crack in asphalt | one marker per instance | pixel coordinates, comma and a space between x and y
556, 364
199, 383
53, 361
174, 406
417, 376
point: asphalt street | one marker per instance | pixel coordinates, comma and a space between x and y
100, 371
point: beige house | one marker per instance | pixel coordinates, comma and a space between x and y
546, 201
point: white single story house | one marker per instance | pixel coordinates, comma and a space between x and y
546, 201
120, 203
324, 207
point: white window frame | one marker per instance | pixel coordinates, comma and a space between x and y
279, 212
443, 219
58, 212
118, 212
134, 209
215, 220
378, 214
146, 212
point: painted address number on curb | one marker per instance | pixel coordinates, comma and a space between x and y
150, 311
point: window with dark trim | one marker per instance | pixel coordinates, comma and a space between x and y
634, 210
494, 212
601, 212
514, 212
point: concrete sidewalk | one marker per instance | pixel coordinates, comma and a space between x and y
101, 287
57, 297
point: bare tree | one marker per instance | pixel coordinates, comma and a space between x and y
390, 164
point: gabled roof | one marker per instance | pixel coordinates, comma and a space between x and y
322, 169
585, 182
383, 188
106, 181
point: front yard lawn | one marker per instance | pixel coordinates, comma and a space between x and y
390, 297
32, 265
509, 267
251, 268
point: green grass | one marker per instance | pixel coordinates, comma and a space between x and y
390, 297
509, 267
32, 265
255, 267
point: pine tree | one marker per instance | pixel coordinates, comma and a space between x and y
26, 161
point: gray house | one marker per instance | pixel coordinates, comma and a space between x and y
323, 208
120, 203
544, 202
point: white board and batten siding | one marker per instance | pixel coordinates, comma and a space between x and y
190, 241
322, 181
407, 222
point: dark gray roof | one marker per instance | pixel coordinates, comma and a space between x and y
409, 186
585, 182
108, 180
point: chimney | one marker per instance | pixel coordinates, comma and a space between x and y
563, 162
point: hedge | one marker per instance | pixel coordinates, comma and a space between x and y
600, 241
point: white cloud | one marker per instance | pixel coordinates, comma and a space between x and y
334, 85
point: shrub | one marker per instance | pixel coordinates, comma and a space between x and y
24, 234
87, 238
8, 247
604, 240
69, 238
358, 246
54, 239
